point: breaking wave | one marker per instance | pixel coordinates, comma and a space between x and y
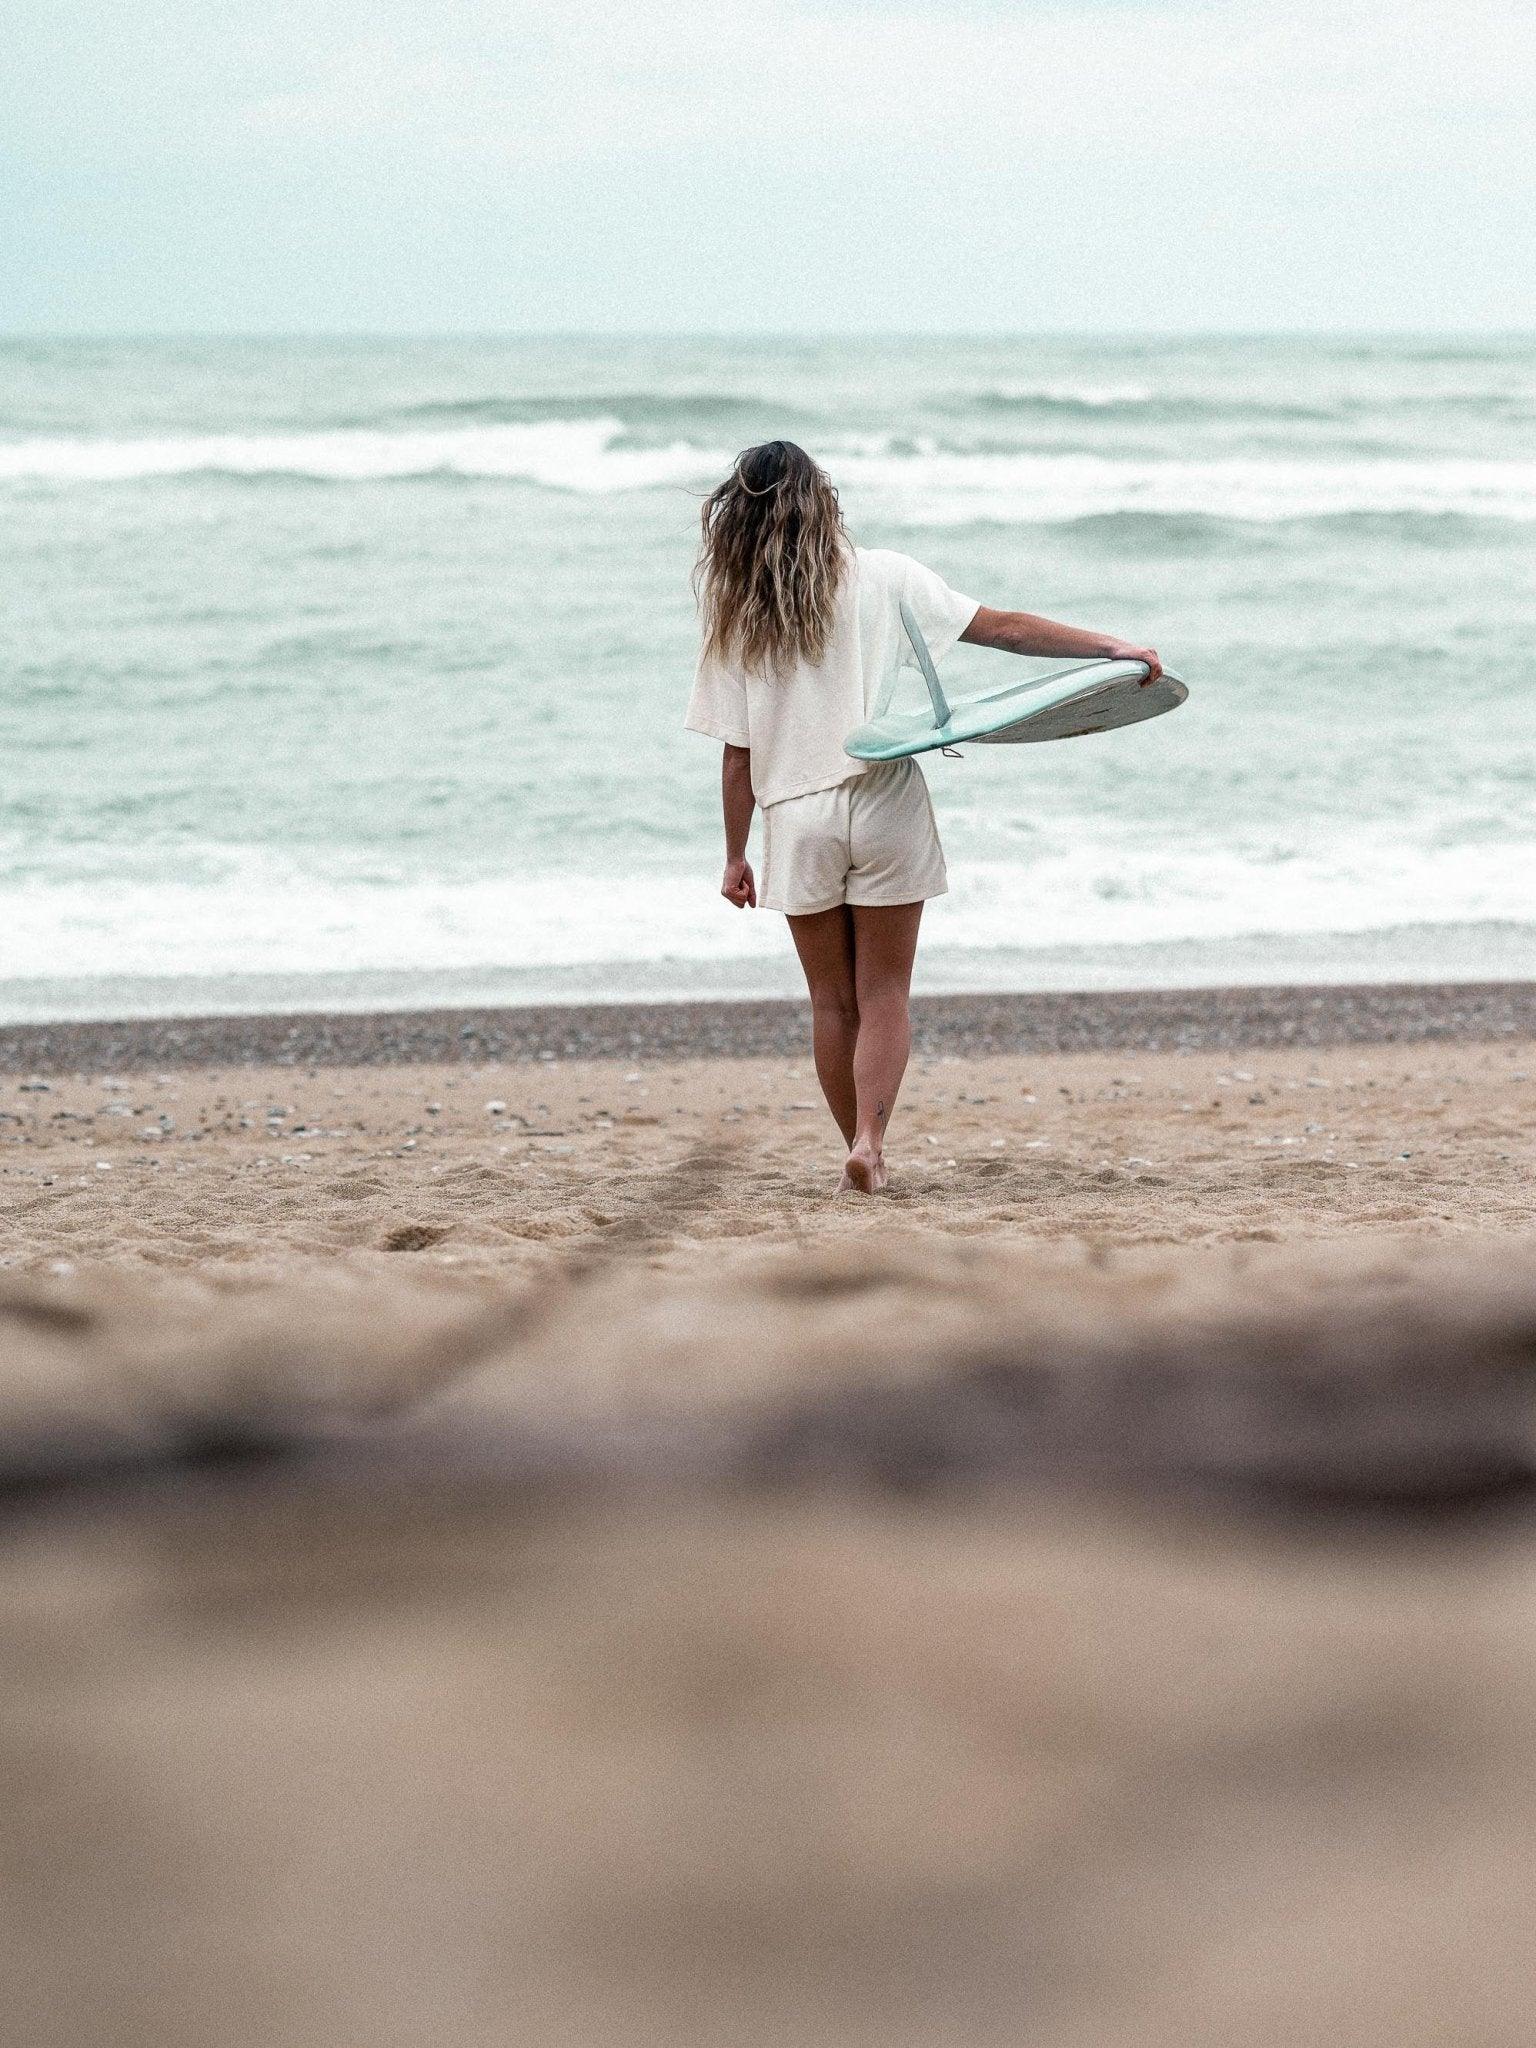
906, 481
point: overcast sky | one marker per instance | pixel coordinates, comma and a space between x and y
735, 165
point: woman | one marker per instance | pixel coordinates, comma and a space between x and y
800, 631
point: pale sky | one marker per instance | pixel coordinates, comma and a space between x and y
442, 166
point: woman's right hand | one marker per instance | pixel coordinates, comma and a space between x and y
1122, 650
738, 886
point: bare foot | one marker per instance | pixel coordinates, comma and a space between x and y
865, 1173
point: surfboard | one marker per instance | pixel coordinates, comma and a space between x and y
1092, 697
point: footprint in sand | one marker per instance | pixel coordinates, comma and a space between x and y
413, 1237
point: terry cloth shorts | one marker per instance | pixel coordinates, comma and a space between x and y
871, 840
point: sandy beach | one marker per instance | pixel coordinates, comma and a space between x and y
249, 1231
512, 1514
248, 1157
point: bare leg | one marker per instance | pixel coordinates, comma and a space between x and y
825, 945
884, 943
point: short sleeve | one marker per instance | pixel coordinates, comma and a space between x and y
942, 613
718, 706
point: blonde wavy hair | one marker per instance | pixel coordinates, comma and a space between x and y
771, 560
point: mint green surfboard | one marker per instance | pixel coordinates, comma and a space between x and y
1094, 696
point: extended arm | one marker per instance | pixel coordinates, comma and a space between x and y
1023, 633
738, 803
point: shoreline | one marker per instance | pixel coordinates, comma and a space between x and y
1131, 1020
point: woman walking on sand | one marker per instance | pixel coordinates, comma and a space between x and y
801, 629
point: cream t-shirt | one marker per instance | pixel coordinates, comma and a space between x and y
795, 723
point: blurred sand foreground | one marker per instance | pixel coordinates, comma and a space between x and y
504, 1554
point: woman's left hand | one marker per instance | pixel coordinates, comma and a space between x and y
738, 886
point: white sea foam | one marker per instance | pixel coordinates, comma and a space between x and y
573, 455
260, 913
940, 488
921, 483
1097, 397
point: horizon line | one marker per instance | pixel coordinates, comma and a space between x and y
749, 336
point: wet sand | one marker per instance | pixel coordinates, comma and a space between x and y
1141, 1020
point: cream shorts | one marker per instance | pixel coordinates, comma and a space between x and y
871, 840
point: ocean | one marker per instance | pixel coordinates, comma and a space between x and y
351, 673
